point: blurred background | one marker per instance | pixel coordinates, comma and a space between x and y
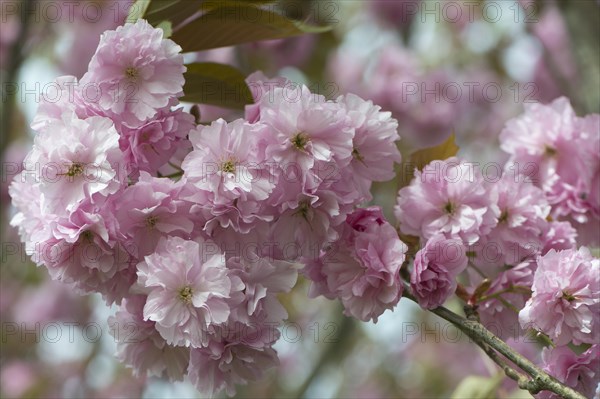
440, 67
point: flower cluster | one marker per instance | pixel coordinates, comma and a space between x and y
560, 153
523, 268
195, 230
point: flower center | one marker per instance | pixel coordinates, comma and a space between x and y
75, 169
131, 73
151, 221
300, 140
87, 236
568, 296
228, 166
303, 208
550, 151
503, 216
449, 208
185, 294
357, 155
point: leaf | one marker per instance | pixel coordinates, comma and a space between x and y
237, 23
137, 10
482, 288
462, 293
413, 244
443, 151
475, 387
216, 84
167, 28
175, 11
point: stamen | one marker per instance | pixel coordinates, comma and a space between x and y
131, 73
186, 294
300, 140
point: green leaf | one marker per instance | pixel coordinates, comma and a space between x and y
475, 387
237, 23
175, 11
137, 10
216, 84
482, 288
443, 151
166, 27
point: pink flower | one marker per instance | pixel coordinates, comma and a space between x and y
27, 200
558, 236
262, 280
581, 373
313, 270
151, 145
228, 168
523, 212
374, 149
306, 130
82, 250
61, 97
222, 365
433, 278
447, 197
494, 312
364, 270
306, 224
150, 209
241, 350
561, 152
187, 285
74, 159
141, 347
261, 86
565, 303
135, 72
539, 132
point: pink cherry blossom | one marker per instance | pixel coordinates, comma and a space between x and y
136, 72
151, 145
82, 250
494, 312
374, 149
580, 372
306, 224
222, 365
141, 347
448, 197
560, 152
263, 279
558, 236
59, 98
150, 209
187, 285
229, 170
306, 129
29, 219
73, 159
436, 266
523, 212
261, 86
566, 297
364, 270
